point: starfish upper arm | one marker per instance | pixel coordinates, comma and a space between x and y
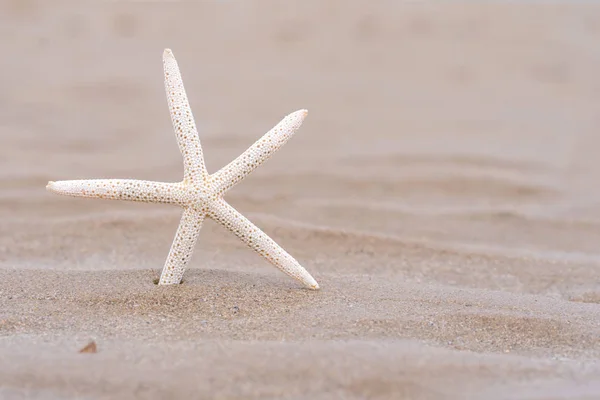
183, 122
119, 189
258, 153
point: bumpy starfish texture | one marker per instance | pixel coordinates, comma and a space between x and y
200, 194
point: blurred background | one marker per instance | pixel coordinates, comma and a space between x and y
462, 124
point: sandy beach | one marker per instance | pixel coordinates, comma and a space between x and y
443, 190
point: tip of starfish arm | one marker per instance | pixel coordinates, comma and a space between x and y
311, 283
60, 187
299, 115
55, 187
168, 54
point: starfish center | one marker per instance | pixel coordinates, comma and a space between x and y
198, 196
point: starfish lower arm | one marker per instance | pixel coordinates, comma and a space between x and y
182, 247
119, 189
257, 240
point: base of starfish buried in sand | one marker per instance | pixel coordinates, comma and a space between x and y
200, 194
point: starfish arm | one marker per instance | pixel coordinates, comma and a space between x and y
258, 153
183, 122
119, 189
256, 239
182, 247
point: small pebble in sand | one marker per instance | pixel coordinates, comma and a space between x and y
89, 348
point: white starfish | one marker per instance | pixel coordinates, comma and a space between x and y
200, 194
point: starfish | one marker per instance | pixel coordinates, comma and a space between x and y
200, 194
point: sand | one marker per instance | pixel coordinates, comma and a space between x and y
443, 191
